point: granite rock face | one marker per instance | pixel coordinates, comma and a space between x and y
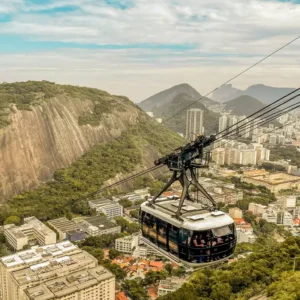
49, 137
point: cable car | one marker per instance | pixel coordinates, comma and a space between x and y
199, 238
188, 230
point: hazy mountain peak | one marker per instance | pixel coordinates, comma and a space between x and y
167, 96
266, 94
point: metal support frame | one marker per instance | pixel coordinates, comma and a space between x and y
186, 183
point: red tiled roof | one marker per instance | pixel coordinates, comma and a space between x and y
152, 292
121, 296
157, 264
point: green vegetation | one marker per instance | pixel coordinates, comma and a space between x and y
272, 167
125, 203
259, 272
113, 253
135, 213
135, 289
126, 227
287, 153
4, 248
88, 174
27, 94
101, 241
12, 220
99, 255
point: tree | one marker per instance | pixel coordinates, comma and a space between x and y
12, 220
153, 277
135, 213
179, 272
69, 215
156, 187
113, 253
169, 268
249, 217
135, 289
96, 252
125, 203
122, 222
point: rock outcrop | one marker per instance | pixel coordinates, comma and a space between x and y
49, 137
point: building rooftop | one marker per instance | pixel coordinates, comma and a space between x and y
275, 178
64, 225
65, 285
101, 202
37, 254
30, 224
99, 222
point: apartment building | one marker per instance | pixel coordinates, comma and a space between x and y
256, 209
67, 229
109, 208
127, 244
235, 213
31, 233
60, 271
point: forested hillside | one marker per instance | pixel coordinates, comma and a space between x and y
45, 127
267, 271
140, 146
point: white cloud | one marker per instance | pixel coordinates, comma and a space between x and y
228, 35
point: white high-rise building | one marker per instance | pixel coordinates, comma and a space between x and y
232, 120
218, 156
194, 123
223, 123
248, 157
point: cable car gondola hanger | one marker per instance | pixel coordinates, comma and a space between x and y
186, 160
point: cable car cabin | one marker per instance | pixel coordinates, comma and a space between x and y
200, 238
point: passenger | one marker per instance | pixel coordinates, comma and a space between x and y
219, 241
195, 241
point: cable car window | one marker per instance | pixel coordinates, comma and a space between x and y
173, 234
162, 232
221, 231
184, 237
152, 228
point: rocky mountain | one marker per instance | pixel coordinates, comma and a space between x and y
168, 95
45, 127
178, 107
266, 94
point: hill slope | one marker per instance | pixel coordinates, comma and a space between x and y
182, 103
168, 95
266, 94
244, 105
45, 127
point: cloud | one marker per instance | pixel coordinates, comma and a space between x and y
155, 43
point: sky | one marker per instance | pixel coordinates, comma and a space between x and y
137, 48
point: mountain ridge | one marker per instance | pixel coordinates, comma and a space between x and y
265, 94
177, 109
51, 126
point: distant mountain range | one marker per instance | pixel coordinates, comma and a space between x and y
168, 95
246, 105
243, 105
178, 107
266, 94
